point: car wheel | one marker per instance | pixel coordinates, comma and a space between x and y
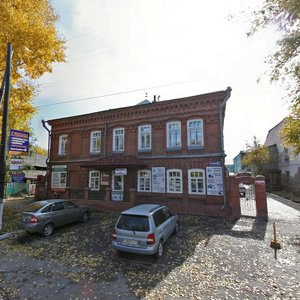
85, 217
176, 229
160, 250
48, 229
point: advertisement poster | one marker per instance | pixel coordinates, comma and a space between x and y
18, 142
158, 180
214, 181
59, 177
16, 164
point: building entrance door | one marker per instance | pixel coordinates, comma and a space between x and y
117, 193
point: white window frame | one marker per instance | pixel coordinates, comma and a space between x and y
143, 177
117, 137
197, 179
144, 135
172, 181
95, 141
173, 131
199, 143
94, 180
63, 144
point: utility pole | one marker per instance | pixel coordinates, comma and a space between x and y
4, 129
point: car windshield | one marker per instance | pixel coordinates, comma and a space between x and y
34, 207
133, 222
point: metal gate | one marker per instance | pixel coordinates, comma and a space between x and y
247, 200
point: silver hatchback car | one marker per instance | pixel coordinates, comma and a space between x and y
143, 229
43, 216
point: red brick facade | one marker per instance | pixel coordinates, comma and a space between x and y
173, 144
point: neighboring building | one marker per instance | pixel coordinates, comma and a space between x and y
284, 169
230, 168
238, 162
168, 152
32, 167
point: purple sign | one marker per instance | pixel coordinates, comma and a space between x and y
18, 142
20, 178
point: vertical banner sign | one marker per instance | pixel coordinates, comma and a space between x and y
18, 142
214, 181
158, 180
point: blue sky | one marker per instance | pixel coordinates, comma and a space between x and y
119, 50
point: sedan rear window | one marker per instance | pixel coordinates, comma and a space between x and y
34, 207
133, 222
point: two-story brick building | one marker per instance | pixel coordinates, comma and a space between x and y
168, 152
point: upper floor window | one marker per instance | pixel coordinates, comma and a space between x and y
196, 181
94, 180
95, 143
195, 132
63, 144
145, 137
118, 139
174, 181
144, 181
174, 134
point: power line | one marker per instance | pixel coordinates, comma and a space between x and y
119, 93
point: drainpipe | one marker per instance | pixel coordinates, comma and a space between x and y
222, 116
49, 138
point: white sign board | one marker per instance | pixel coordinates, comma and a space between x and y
214, 181
59, 177
158, 180
121, 171
16, 164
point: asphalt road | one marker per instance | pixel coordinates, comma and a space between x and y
210, 258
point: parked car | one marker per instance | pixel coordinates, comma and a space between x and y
43, 216
143, 229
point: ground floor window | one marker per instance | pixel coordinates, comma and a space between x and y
144, 181
94, 180
196, 181
174, 181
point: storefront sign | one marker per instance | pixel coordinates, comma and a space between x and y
16, 164
18, 142
158, 180
214, 181
20, 178
121, 171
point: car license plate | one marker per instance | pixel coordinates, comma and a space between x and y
129, 242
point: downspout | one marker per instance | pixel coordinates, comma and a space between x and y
222, 117
49, 138
48, 156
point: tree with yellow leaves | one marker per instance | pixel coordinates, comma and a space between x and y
30, 26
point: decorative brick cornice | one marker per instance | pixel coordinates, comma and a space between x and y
201, 105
